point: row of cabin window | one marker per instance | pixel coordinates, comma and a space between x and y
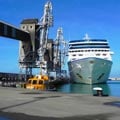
90, 51
83, 55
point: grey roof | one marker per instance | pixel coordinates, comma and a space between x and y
30, 21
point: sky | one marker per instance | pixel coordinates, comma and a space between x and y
100, 19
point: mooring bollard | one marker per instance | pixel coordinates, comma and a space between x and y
99, 91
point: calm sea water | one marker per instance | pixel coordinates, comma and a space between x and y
3, 118
112, 88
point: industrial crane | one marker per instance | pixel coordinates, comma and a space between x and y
35, 49
59, 51
33, 52
45, 23
39, 81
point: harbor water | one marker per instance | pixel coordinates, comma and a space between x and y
111, 88
3, 118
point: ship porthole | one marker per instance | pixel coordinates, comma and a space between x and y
104, 63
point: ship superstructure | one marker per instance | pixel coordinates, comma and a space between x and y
89, 60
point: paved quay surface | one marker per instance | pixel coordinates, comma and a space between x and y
22, 104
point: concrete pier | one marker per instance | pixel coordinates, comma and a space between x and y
22, 104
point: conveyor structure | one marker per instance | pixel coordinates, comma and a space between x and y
35, 49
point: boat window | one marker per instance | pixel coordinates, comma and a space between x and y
80, 54
34, 81
73, 55
29, 81
40, 82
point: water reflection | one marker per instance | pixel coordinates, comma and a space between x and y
114, 88
83, 88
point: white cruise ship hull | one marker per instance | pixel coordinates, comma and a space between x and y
90, 70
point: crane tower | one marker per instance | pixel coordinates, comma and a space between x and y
45, 23
37, 51
59, 50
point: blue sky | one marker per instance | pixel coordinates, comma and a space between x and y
99, 18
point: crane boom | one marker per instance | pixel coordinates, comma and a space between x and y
60, 50
45, 23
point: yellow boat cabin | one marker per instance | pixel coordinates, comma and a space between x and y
37, 82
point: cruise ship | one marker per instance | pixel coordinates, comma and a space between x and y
89, 60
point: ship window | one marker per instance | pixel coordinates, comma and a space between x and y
73, 59
80, 54
104, 54
97, 54
73, 55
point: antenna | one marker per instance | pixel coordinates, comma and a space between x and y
86, 37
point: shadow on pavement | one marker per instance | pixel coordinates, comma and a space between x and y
21, 116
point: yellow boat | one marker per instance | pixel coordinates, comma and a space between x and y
37, 82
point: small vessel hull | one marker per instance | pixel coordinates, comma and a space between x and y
90, 70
